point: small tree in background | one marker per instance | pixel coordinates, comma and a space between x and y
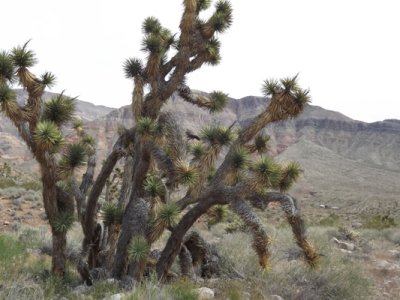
40, 126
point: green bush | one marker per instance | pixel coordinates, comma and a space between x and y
379, 222
183, 290
331, 220
10, 248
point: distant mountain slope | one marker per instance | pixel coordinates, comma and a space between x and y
348, 163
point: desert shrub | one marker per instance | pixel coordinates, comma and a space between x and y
338, 277
31, 185
379, 222
32, 196
183, 290
30, 237
6, 183
12, 192
330, 220
10, 248
22, 291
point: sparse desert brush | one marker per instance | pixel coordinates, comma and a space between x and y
338, 277
12, 191
379, 222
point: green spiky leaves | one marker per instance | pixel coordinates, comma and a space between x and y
151, 25
217, 214
112, 213
74, 157
203, 5
217, 135
169, 214
6, 67
240, 157
267, 173
270, 87
260, 144
287, 98
63, 222
59, 110
218, 101
22, 57
186, 174
197, 150
7, 97
213, 47
154, 186
146, 126
222, 18
48, 79
133, 67
290, 173
138, 249
167, 217
48, 136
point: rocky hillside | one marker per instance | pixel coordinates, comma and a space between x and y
346, 162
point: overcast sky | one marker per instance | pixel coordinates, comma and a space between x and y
346, 51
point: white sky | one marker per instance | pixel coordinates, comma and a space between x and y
346, 51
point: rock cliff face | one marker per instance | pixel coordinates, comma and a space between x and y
346, 162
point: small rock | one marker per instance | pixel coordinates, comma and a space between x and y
81, 289
6, 223
346, 251
275, 297
344, 245
119, 296
385, 265
395, 253
356, 225
111, 281
335, 207
205, 293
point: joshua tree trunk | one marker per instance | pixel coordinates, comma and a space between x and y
59, 242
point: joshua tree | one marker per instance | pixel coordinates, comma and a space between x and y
40, 126
161, 163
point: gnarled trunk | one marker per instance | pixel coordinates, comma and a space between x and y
59, 242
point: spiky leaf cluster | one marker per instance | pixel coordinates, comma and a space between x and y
146, 126
217, 135
157, 39
59, 110
154, 186
267, 173
290, 173
8, 103
63, 222
222, 19
218, 101
23, 58
203, 5
48, 136
112, 213
48, 79
217, 214
197, 149
132, 67
288, 99
6, 67
151, 25
213, 47
138, 249
240, 157
169, 214
186, 174
74, 157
